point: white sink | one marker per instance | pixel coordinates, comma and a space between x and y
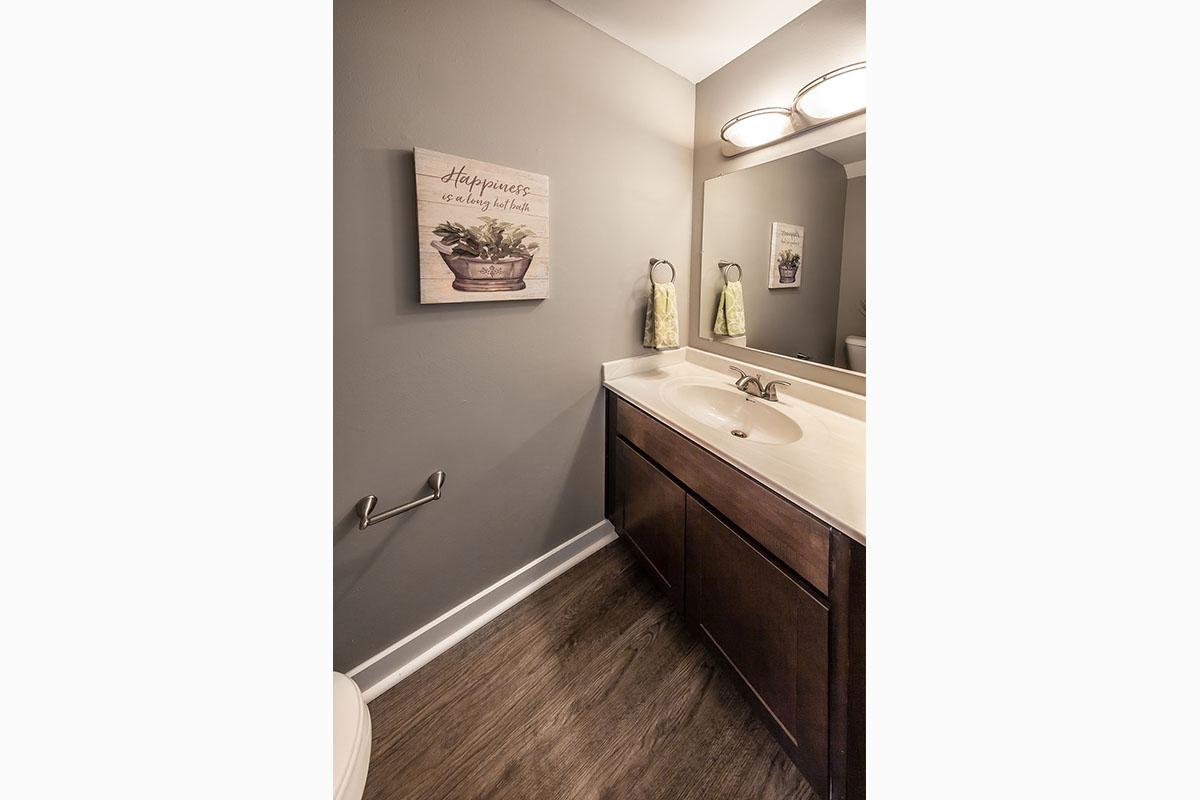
733, 411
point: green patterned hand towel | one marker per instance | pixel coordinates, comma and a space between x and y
731, 311
662, 317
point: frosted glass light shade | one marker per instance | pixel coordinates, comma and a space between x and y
834, 94
757, 127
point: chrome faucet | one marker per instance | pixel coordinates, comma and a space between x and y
766, 392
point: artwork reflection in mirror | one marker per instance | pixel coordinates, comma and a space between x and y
797, 228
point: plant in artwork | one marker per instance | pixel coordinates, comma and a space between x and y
788, 263
490, 257
490, 241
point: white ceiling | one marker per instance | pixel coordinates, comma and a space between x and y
693, 38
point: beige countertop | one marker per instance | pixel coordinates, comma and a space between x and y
823, 472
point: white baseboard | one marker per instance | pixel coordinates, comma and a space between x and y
384, 670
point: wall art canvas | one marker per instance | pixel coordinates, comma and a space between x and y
787, 253
483, 230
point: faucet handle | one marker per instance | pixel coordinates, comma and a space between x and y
741, 375
769, 390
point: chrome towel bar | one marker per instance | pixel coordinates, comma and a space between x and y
366, 505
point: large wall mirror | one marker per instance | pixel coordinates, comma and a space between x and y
783, 256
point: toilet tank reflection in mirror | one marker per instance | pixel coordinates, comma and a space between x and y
797, 228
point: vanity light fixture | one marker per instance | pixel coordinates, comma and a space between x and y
835, 95
757, 127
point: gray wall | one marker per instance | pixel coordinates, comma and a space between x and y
504, 396
829, 35
807, 189
850, 320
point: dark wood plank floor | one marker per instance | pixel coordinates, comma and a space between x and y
590, 688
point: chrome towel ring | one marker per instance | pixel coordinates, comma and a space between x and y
657, 262
724, 267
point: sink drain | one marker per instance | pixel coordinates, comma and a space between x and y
739, 434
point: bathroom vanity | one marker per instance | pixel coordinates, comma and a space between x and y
758, 538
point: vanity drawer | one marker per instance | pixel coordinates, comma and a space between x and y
795, 537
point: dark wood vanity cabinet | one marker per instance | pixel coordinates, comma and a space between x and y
773, 591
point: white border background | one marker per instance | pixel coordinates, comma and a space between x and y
1032, 428
167, 443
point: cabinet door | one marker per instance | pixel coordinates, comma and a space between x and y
770, 630
653, 517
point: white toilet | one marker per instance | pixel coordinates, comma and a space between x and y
856, 351
351, 739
